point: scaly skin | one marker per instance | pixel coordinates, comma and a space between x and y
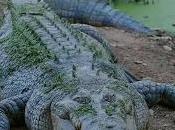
6, 29
96, 12
64, 79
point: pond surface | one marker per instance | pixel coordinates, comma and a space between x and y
161, 14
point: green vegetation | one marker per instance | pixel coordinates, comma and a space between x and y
56, 81
85, 109
1, 72
110, 109
37, 9
24, 46
116, 108
97, 51
3, 4
1, 20
158, 15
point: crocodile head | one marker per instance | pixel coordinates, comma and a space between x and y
108, 108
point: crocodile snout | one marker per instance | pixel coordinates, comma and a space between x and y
111, 123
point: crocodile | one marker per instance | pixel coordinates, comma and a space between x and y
98, 13
53, 76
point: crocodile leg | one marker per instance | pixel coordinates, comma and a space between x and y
37, 114
155, 93
60, 114
12, 110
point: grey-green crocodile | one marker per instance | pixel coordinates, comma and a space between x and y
56, 77
96, 12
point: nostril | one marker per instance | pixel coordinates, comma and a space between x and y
110, 126
109, 97
82, 100
115, 124
110, 123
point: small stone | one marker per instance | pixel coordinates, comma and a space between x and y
136, 48
167, 116
151, 112
166, 38
171, 43
173, 24
173, 62
123, 31
152, 46
138, 62
147, 78
163, 38
144, 64
113, 44
166, 125
167, 48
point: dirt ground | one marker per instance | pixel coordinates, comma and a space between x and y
142, 56
146, 57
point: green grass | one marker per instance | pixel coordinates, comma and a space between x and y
25, 48
3, 4
85, 109
1, 72
1, 17
159, 15
1, 20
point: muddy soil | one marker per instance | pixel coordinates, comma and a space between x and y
147, 57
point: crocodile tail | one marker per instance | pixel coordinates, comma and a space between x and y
96, 12
118, 19
103, 14
156, 93
4, 122
12, 110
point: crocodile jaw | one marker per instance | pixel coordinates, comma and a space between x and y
113, 111
89, 124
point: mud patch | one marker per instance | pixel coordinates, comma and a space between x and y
146, 57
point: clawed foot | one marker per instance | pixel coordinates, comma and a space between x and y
155, 93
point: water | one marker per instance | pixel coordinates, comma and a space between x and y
161, 14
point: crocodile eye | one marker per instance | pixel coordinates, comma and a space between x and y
109, 97
82, 99
25, 90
